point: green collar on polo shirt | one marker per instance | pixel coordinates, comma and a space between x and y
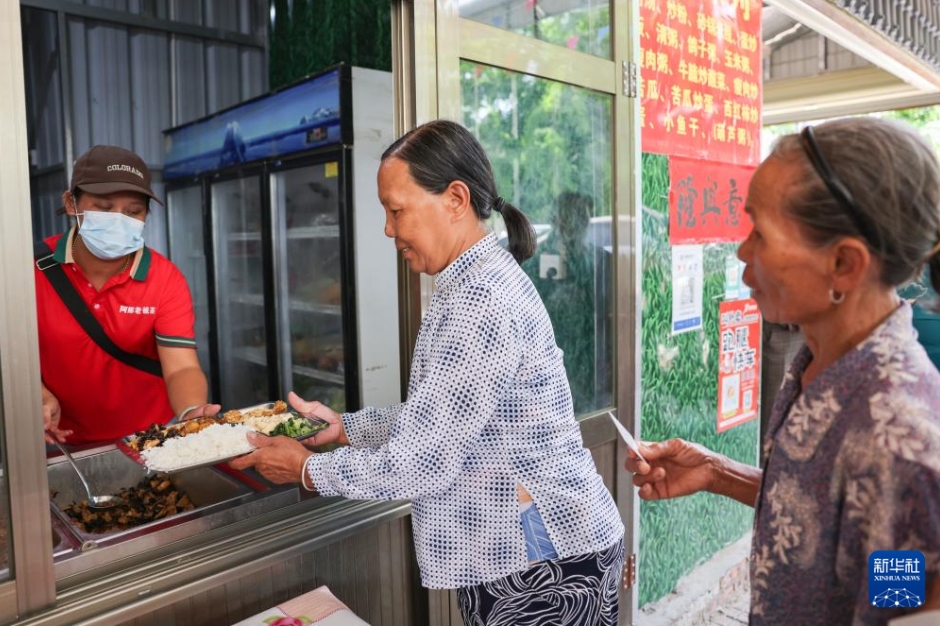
139, 268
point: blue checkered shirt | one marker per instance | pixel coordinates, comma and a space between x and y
488, 407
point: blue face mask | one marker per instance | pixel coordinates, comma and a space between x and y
110, 236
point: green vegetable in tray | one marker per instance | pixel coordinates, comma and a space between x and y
294, 427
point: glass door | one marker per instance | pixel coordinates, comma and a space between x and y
188, 251
240, 287
306, 203
556, 117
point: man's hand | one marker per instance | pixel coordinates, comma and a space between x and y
200, 411
51, 412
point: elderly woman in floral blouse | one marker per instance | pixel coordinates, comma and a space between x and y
507, 505
843, 213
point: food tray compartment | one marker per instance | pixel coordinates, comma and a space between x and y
63, 542
63, 539
317, 423
110, 472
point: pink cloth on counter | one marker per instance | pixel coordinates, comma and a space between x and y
319, 607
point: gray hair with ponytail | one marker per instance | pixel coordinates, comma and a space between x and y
440, 152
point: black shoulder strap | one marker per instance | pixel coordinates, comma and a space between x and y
86, 319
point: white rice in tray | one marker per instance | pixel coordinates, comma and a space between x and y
213, 443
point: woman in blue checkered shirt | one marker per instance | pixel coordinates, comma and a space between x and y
507, 504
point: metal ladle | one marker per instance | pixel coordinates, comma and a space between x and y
95, 502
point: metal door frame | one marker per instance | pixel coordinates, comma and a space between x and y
25, 470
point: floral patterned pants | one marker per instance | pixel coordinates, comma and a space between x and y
576, 591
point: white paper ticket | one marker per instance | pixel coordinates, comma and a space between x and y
626, 436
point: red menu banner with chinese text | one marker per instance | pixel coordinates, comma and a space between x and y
701, 79
706, 201
738, 363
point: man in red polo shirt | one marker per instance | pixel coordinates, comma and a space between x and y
138, 296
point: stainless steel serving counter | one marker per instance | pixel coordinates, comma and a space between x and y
221, 496
245, 545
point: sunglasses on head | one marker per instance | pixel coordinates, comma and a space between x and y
835, 186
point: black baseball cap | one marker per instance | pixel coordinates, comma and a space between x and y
108, 169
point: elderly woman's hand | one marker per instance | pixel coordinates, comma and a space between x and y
334, 433
674, 468
279, 459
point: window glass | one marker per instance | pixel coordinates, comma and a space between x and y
582, 25
550, 147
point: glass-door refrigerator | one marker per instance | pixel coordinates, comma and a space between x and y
309, 205
302, 280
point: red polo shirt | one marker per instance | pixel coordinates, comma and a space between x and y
103, 399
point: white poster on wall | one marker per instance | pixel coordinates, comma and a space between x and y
688, 279
735, 289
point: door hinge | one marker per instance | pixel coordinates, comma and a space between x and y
629, 571
629, 79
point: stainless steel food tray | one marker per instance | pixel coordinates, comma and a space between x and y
125, 445
222, 496
112, 471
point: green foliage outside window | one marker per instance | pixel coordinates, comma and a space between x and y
679, 398
310, 35
582, 26
542, 137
